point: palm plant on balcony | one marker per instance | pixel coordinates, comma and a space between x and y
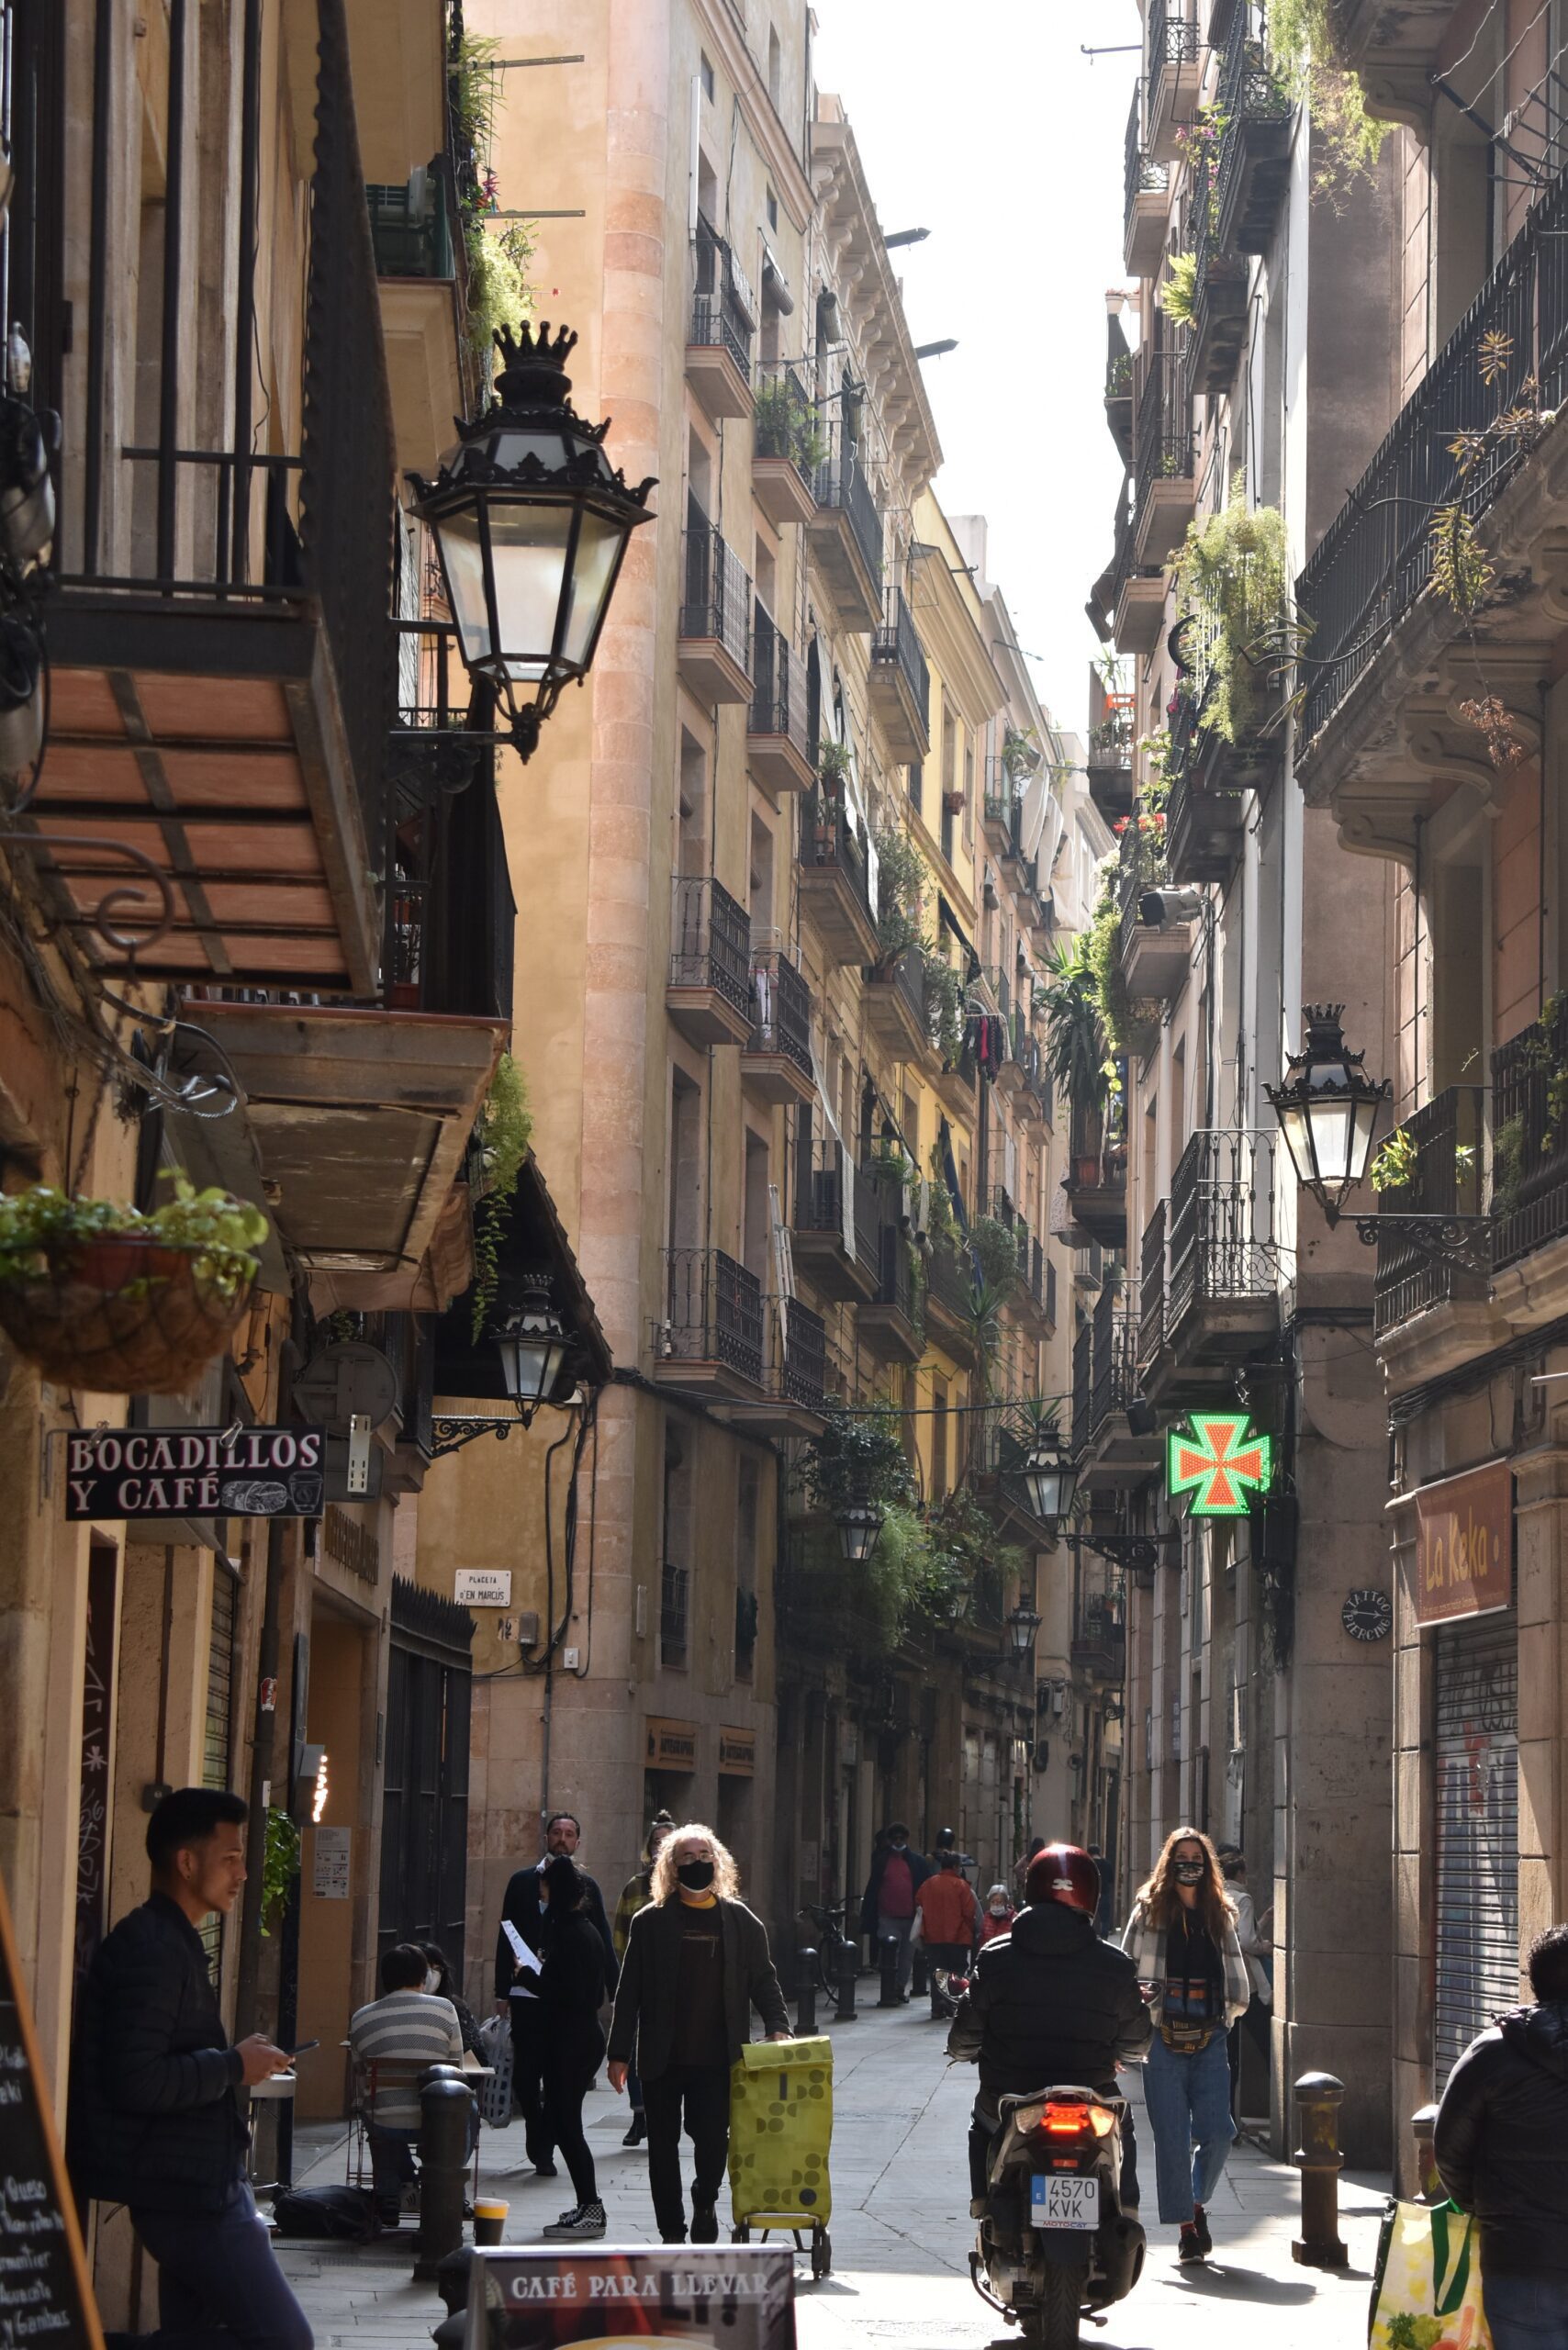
1234, 578
1177, 295
1303, 51
787, 426
1077, 1047
944, 1003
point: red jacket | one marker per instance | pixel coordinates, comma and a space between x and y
947, 1908
991, 1927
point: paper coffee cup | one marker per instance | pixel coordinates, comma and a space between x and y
489, 2219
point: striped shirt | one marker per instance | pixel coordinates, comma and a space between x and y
405, 2028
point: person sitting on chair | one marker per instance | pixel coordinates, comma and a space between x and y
407, 2027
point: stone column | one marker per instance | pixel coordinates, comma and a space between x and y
1541, 1491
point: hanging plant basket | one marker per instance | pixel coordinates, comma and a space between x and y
125, 1315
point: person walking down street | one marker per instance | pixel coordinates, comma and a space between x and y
154, 2121
409, 2026
571, 1992
1257, 1951
1050, 2003
439, 1984
1181, 1939
516, 1979
948, 1914
887, 1908
1501, 2145
636, 1893
998, 1916
697, 1962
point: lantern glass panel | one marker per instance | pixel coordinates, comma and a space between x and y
593, 575
528, 547
1332, 1127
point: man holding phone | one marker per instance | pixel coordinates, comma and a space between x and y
155, 2120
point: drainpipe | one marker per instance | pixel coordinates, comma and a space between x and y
262, 1769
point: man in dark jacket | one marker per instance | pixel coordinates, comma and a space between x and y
1050, 2004
153, 2122
887, 1908
517, 1983
1501, 2144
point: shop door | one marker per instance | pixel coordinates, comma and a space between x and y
424, 1818
1477, 1935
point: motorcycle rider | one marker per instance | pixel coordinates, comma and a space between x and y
1050, 2005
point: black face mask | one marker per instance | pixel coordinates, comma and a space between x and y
696, 1875
1188, 1872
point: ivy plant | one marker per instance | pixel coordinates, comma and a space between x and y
1234, 585
280, 1866
506, 1128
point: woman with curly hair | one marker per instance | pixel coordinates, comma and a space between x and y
1182, 1938
697, 1962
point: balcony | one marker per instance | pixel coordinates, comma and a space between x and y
1164, 489
451, 919
1099, 1648
1155, 957
1378, 637
1529, 1199
950, 1300
795, 1375
1147, 199
890, 1323
845, 534
836, 1241
1254, 158
1134, 592
1210, 1269
1109, 753
708, 994
710, 1337
1106, 1381
1206, 813
834, 894
776, 1058
787, 448
422, 296
714, 646
1175, 74
1096, 1184
1219, 296
894, 1004
221, 662
900, 683
776, 751
718, 342
1449, 1179
1119, 396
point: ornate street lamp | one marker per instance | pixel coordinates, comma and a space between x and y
533, 1349
1050, 1477
530, 523
1328, 1110
860, 1524
1022, 1626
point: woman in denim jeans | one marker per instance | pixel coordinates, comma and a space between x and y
1183, 1939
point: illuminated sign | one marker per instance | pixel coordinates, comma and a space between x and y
1219, 1458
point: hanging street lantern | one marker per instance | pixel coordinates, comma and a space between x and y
1050, 1477
532, 1350
1022, 1626
1328, 1110
859, 1525
530, 523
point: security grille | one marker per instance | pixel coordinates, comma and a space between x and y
1477, 1933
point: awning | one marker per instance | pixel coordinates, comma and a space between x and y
533, 1247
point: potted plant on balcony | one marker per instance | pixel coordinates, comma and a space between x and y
1077, 1047
98, 1295
786, 427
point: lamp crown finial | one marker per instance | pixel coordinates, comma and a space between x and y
533, 365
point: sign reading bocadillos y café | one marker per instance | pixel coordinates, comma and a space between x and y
195, 1472
1465, 1544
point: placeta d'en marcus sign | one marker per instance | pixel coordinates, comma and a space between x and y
195, 1472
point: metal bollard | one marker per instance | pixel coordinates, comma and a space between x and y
1428, 2186
889, 1995
848, 1968
806, 1995
1317, 2097
445, 2105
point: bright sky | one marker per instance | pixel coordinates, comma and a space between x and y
985, 124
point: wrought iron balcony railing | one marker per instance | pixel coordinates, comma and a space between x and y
800, 1362
714, 1311
1141, 174
715, 588
778, 682
786, 423
828, 840
780, 1009
1448, 1178
897, 644
1164, 426
1530, 1197
842, 484
1222, 1231
709, 940
723, 308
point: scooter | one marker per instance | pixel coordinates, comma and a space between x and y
1053, 2238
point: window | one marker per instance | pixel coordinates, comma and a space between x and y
772, 209
774, 83
706, 71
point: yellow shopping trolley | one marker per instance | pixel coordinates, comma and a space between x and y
780, 2134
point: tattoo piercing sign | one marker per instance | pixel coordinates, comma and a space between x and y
1218, 1459
131, 1474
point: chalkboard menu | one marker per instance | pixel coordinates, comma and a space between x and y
46, 2301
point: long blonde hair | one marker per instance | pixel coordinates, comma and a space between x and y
665, 1886
1160, 1899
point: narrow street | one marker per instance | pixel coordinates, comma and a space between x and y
901, 2230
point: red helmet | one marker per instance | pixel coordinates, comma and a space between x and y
1064, 1873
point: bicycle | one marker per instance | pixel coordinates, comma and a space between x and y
831, 1943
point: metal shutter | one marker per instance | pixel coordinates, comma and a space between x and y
216, 1729
1477, 1935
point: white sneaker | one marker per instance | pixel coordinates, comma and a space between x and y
585, 2220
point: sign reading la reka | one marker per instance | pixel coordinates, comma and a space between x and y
195, 1472
1465, 1544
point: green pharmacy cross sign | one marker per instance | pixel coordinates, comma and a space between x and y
1218, 1458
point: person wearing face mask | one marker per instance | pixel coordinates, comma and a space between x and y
887, 1905
997, 1915
571, 1992
697, 1962
440, 1986
405, 2026
517, 1984
1182, 1938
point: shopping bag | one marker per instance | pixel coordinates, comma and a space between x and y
1427, 2293
495, 2050
781, 2131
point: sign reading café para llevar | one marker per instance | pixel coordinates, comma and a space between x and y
1464, 1545
195, 1472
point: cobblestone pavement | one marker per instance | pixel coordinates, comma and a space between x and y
901, 2229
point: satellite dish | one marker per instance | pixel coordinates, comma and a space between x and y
349, 1380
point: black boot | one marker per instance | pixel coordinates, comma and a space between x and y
639, 2129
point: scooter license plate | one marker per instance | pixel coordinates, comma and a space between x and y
1064, 2201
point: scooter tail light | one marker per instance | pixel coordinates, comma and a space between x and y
1067, 2121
